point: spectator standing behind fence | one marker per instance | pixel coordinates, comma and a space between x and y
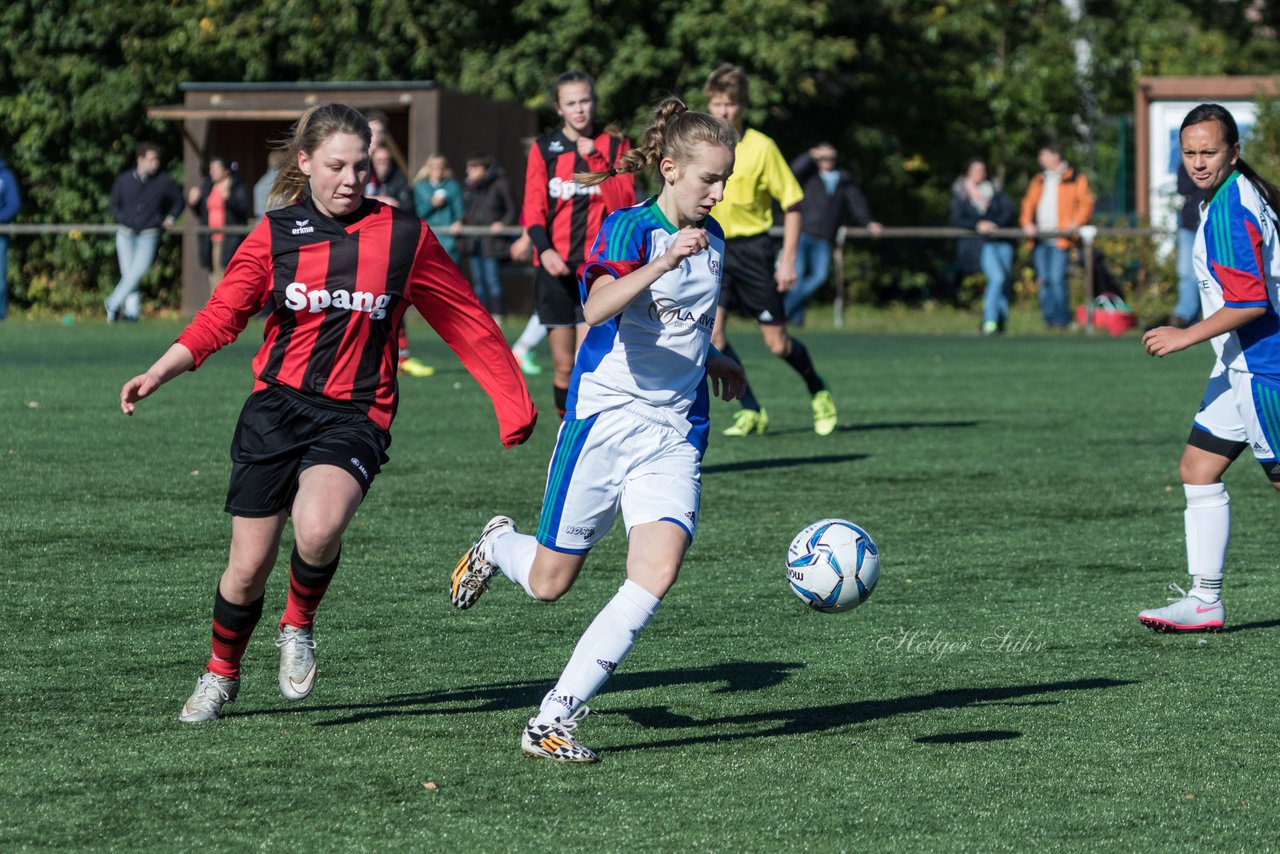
220, 200
437, 199
1187, 311
488, 198
142, 200
9, 204
830, 197
1058, 199
262, 189
977, 202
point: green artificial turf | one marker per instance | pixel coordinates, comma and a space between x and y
996, 691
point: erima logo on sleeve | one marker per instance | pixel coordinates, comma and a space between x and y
299, 298
304, 226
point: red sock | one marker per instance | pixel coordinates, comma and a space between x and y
232, 627
307, 586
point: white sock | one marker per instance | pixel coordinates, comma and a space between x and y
533, 332
601, 649
514, 552
1208, 525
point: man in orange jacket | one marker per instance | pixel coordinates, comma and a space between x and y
1057, 200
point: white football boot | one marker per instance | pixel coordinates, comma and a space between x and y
471, 575
1185, 612
297, 662
555, 740
211, 694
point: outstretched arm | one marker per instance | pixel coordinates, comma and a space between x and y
1164, 340
176, 360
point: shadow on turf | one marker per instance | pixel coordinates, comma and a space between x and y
782, 463
969, 737
505, 696
821, 718
1244, 627
848, 427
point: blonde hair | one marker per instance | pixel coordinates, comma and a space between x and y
730, 81
312, 130
447, 173
674, 133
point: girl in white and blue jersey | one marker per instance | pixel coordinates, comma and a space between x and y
1237, 266
635, 426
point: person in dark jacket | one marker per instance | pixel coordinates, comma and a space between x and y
9, 204
488, 203
830, 197
143, 199
220, 200
978, 203
387, 183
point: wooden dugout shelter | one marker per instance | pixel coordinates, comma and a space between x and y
240, 121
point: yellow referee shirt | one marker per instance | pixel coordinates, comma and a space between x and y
760, 175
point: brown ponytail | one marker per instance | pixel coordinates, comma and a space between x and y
673, 132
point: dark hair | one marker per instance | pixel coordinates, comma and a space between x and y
480, 159
1231, 133
730, 81
378, 116
673, 132
311, 131
143, 148
1053, 147
572, 77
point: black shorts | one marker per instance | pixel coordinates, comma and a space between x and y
748, 286
556, 298
281, 433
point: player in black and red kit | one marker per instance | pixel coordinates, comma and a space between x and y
338, 271
563, 216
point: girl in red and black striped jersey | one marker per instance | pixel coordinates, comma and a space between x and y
338, 272
563, 216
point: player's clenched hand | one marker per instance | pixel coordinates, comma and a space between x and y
1164, 340
688, 241
553, 263
136, 389
728, 380
785, 275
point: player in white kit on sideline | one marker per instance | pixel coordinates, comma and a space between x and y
1237, 266
636, 422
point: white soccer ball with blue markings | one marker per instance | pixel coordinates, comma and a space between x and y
833, 565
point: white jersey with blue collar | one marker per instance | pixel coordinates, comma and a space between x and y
654, 352
1237, 265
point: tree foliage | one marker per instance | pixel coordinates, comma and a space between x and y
907, 90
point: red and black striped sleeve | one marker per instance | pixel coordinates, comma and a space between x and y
240, 295
535, 211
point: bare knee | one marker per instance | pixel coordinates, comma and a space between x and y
1276, 485
548, 588
777, 340
317, 541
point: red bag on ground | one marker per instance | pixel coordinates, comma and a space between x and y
1110, 312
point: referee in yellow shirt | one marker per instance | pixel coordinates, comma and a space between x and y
753, 283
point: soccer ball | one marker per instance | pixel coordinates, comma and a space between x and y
833, 565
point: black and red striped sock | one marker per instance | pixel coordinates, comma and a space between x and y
232, 626
307, 586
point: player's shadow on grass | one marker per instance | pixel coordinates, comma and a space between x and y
783, 463
1244, 627
821, 718
730, 678
847, 427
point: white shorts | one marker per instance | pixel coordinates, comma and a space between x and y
628, 459
1242, 408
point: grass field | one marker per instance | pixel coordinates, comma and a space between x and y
996, 692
